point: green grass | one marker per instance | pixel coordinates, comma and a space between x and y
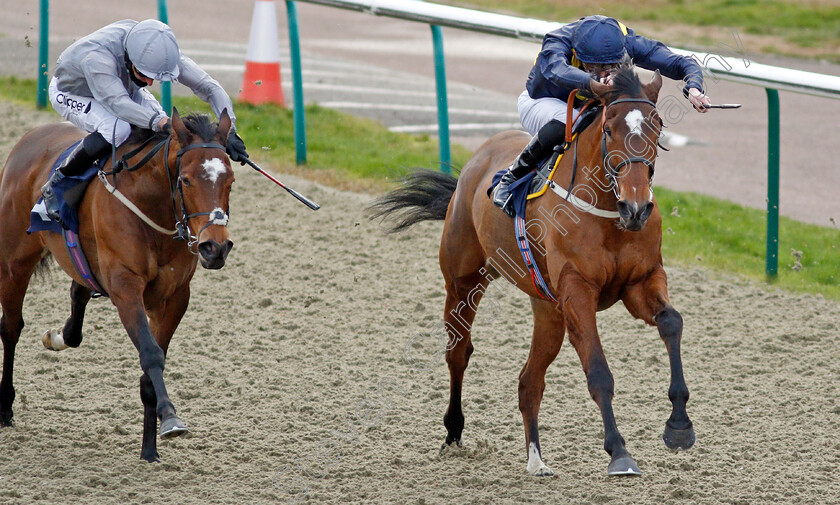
708, 232
806, 24
731, 238
339, 146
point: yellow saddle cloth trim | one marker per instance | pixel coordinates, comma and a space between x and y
544, 187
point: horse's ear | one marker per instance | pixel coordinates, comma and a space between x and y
223, 129
652, 88
184, 135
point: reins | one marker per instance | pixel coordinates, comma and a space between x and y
181, 231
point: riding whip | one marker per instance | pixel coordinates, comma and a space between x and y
306, 201
723, 106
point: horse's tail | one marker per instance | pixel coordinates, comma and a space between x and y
424, 196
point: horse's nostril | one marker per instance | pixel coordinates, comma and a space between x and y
624, 209
646, 211
209, 249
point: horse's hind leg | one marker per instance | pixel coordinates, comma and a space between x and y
14, 280
71, 334
648, 300
549, 329
462, 297
580, 304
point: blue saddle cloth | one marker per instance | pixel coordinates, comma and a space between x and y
69, 192
519, 190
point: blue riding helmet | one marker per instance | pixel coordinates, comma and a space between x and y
598, 40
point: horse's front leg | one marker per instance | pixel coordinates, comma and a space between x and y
580, 303
163, 319
127, 295
648, 300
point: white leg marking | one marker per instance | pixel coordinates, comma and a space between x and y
54, 340
536, 466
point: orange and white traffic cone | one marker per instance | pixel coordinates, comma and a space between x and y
261, 83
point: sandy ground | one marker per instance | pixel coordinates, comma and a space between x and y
290, 369
727, 157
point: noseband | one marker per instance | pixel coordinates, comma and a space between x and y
613, 171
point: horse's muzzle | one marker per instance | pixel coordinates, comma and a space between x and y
214, 254
632, 215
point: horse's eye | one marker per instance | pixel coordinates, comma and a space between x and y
186, 181
608, 132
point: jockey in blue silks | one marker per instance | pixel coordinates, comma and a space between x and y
571, 57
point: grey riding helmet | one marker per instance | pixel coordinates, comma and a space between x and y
152, 48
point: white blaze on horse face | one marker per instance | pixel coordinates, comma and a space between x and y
213, 168
634, 120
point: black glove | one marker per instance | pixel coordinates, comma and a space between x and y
236, 148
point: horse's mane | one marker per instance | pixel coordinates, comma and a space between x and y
625, 82
199, 124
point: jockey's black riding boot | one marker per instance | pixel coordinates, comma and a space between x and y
80, 159
537, 149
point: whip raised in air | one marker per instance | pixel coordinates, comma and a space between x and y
306, 201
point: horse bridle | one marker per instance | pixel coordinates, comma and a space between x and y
181, 225
182, 230
613, 171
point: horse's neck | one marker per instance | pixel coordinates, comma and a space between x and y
148, 187
590, 171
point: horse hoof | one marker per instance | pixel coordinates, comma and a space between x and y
151, 457
54, 340
458, 443
536, 466
541, 470
7, 420
172, 427
625, 465
678, 439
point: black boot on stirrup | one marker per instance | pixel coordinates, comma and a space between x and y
79, 160
527, 161
501, 193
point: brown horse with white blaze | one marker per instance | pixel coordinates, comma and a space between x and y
145, 272
600, 246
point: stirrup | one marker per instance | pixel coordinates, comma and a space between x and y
51, 203
501, 194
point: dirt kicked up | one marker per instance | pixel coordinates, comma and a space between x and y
296, 368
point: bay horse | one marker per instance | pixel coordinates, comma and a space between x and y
591, 261
145, 272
